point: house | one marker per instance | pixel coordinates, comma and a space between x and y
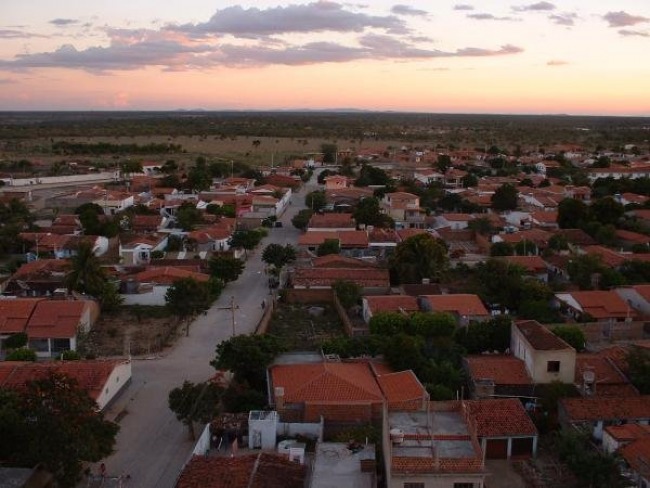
388, 303
544, 220
347, 197
371, 280
148, 223
102, 379
637, 297
533, 266
259, 470
599, 412
597, 306
598, 375
436, 447
617, 436
637, 456
404, 208
331, 222
113, 202
547, 357
61, 246
39, 278
213, 238
53, 325
454, 221
150, 286
503, 428
497, 375
14, 315
464, 307
66, 224
628, 239
136, 250
336, 182
618, 172
340, 465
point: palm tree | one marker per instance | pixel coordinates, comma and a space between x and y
86, 275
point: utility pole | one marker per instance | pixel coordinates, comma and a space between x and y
232, 309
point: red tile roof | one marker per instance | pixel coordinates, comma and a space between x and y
402, 386
637, 455
609, 380
499, 418
540, 337
263, 470
607, 256
57, 319
461, 304
606, 408
14, 314
331, 221
532, 264
503, 370
338, 261
316, 238
167, 275
392, 303
627, 432
90, 375
353, 238
326, 382
326, 277
602, 304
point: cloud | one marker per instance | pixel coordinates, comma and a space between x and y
139, 49
6, 81
484, 16
567, 18
406, 10
535, 7
18, 34
463, 6
623, 19
631, 33
63, 22
318, 16
556, 62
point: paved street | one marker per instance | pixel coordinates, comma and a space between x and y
152, 445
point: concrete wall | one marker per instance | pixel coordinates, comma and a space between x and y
312, 429
537, 361
48, 180
443, 480
320, 295
155, 297
117, 380
263, 325
202, 445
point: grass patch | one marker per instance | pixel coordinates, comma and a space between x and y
302, 330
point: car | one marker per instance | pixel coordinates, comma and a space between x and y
278, 224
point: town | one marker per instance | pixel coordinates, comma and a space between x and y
424, 307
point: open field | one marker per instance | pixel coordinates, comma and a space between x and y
302, 330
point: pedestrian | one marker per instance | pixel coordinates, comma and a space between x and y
102, 470
263, 304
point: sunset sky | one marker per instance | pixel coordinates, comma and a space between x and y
562, 56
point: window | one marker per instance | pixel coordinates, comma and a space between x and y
463, 485
413, 485
553, 366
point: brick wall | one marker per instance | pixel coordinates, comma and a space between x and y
338, 413
308, 296
343, 315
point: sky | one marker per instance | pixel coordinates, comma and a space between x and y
488, 56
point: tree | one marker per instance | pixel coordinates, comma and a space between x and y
245, 239
348, 293
368, 212
572, 335
572, 213
187, 297
278, 256
198, 177
404, 352
481, 225
188, 216
420, 256
128, 168
86, 275
329, 246
505, 198
491, 335
329, 152
499, 282
606, 211
369, 175
22, 354
469, 180
14, 341
388, 324
226, 268
248, 356
195, 402
638, 364
301, 219
443, 163
433, 324
109, 297
61, 433
315, 200
584, 271
501, 249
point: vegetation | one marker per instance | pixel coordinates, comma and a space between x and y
246, 239
195, 402
348, 293
278, 256
61, 433
301, 219
22, 354
187, 297
226, 268
329, 246
572, 335
418, 257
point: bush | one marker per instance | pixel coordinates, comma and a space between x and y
16, 341
69, 356
22, 354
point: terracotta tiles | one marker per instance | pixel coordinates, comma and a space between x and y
14, 314
540, 337
392, 303
499, 418
168, 275
503, 370
637, 454
401, 387
58, 319
461, 304
604, 408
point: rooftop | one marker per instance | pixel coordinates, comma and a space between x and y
392, 303
599, 304
335, 466
500, 418
604, 408
539, 337
502, 370
461, 304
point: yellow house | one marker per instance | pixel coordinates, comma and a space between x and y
547, 357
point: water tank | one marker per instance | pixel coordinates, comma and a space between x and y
396, 436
